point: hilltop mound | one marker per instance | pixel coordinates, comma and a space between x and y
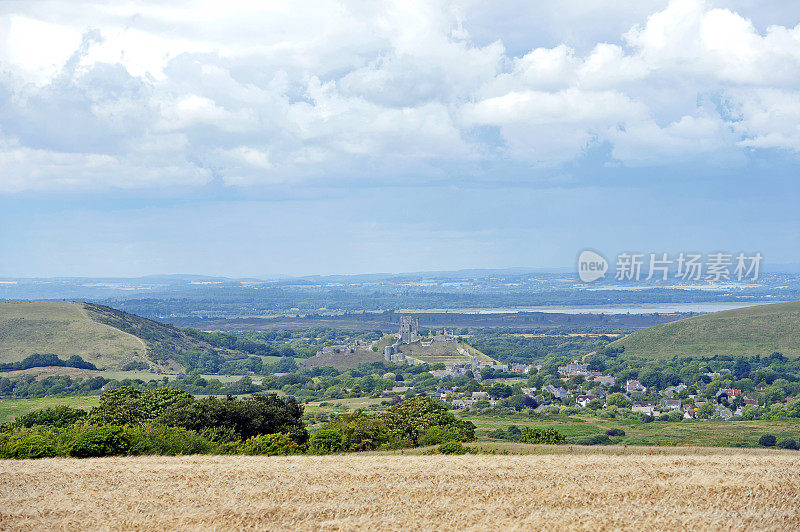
106, 337
759, 330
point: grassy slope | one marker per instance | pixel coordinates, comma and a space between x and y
63, 328
754, 330
444, 352
106, 337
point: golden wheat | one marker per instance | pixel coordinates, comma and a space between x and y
746, 490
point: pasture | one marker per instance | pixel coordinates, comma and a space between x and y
643, 489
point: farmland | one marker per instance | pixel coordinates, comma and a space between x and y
614, 489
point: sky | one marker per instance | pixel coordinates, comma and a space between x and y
323, 137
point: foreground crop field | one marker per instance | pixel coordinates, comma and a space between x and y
709, 490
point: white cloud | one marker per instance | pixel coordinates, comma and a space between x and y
265, 93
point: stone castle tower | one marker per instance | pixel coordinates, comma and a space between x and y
409, 329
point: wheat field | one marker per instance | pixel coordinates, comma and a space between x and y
714, 490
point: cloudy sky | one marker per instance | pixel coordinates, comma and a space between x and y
252, 138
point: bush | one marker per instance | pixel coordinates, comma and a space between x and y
767, 440
271, 445
788, 443
596, 439
28, 443
615, 432
547, 436
59, 416
170, 441
453, 447
136, 365
325, 441
108, 440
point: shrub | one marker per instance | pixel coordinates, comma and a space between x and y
136, 365
595, 439
107, 440
788, 443
767, 440
170, 441
325, 441
270, 444
548, 436
28, 443
59, 416
615, 432
453, 447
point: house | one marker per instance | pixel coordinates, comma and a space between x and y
480, 395
584, 400
646, 407
521, 368
671, 404
570, 370
463, 403
604, 380
688, 412
751, 402
723, 412
672, 391
632, 386
558, 393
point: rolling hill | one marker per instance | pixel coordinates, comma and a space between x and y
432, 353
759, 330
106, 337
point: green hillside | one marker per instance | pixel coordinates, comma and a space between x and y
63, 328
759, 330
106, 337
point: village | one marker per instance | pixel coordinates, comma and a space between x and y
577, 387
674, 402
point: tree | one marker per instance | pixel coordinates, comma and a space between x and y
411, 418
118, 407
618, 399
501, 390
517, 402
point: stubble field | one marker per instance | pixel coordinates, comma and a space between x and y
623, 489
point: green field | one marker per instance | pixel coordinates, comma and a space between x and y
759, 330
704, 433
63, 328
12, 408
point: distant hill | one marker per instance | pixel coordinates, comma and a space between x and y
106, 337
759, 330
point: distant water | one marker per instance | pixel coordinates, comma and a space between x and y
660, 308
